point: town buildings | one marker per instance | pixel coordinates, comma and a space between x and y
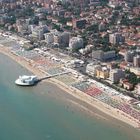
136, 61
116, 38
91, 29
128, 57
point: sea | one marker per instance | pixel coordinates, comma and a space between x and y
45, 112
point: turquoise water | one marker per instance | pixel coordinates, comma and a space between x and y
40, 113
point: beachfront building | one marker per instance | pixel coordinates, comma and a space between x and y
65, 37
135, 70
102, 73
74, 63
53, 36
103, 56
75, 44
125, 84
38, 32
21, 26
97, 54
92, 68
49, 38
57, 37
86, 50
116, 75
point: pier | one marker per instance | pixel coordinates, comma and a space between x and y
50, 76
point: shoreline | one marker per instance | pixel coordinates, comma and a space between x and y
106, 109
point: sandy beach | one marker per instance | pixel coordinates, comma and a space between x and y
115, 113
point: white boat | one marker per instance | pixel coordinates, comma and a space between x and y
26, 80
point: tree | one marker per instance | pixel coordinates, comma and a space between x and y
28, 11
93, 28
104, 2
64, 20
132, 77
55, 26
